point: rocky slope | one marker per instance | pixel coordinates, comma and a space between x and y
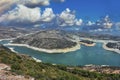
5, 69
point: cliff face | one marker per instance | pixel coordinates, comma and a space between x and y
47, 40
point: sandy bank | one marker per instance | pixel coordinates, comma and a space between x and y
12, 49
110, 49
37, 60
74, 48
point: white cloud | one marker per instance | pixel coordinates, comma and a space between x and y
25, 16
21, 14
118, 24
97, 30
26, 13
48, 15
33, 3
105, 22
89, 23
58, 0
68, 18
62, 0
78, 22
6, 4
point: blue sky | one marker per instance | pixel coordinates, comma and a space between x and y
90, 9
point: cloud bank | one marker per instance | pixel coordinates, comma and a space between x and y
24, 15
6, 4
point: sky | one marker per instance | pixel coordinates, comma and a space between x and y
96, 15
90, 9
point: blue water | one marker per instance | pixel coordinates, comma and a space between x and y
4, 41
86, 55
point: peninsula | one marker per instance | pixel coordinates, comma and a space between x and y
112, 46
51, 41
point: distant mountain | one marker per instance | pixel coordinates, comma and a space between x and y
12, 32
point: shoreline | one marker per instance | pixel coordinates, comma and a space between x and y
104, 42
110, 49
37, 60
97, 40
74, 48
12, 49
68, 49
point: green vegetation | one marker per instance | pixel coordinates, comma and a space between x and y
91, 75
25, 65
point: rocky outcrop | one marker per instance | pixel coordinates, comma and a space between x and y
87, 43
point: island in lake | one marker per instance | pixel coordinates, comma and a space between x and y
87, 43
